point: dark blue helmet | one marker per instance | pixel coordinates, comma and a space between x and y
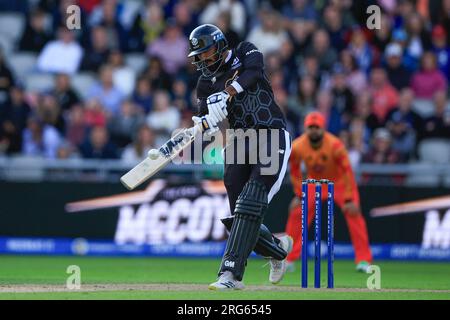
202, 39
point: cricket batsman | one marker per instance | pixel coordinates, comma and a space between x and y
234, 86
325, 157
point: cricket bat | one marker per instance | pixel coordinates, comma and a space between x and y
166, 153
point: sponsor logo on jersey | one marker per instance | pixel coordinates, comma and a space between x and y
236, 63
251, 51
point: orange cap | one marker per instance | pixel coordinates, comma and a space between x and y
315, 119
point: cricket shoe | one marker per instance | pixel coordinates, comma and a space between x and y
363, 266
226, 282
278, 267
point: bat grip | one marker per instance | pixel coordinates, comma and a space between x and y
204, 126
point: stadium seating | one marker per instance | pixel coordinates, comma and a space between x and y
22, 63
81, 82
423, 107
39, 82
434, 151
136, 61
11, 26
6, 45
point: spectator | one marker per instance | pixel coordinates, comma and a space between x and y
342, 95
309, 66
35, 35
183, 18
382, 36
147, 27
108, 15
99, 50
293, 121
103, 9
272, 63
62, 55
381, 151
321, 49
301, 10
444, 17
13, 119
429, 80
360, 49
40, 140
384, 95
344, 7
66, 151
224, 23
356, 79
400, 37
270, 35
403, 135
105, 92
76, 125
142, 95
404, 110
334, 25
398, 75
304, 102
404, 9
94, 114
299, 32
326, 107
236, 9
159, 79
65, 95
6, 79
171, 48
418, 40
353, 141
180, 96
437, 125
358, 135
441, 49
277, 79
98, 146
124, 77
164, 119
88, 5
363, 108
143, 143
288, 63
50, 112
124, 124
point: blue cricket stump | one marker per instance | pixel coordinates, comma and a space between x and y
304, 234
318, 231
330, 238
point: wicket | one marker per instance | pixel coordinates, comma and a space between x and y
318, 231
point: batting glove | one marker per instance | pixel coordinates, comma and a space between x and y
217, 105
210, 126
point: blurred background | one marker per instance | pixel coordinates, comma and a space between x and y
78, 108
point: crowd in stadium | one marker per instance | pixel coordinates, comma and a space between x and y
383, 91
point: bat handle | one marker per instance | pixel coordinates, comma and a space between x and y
204, 125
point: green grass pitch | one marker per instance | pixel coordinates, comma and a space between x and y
176, 278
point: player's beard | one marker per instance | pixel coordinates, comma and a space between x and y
315, 139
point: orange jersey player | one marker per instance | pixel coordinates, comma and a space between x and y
324, 157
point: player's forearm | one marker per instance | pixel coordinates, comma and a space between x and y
246, 80
348, 183
231, 91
